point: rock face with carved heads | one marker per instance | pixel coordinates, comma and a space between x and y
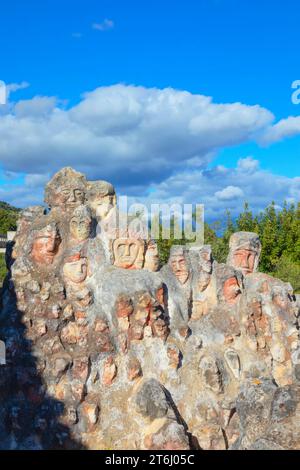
107, 349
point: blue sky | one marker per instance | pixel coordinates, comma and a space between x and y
233, 51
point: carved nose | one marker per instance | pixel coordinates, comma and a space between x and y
72, 197
50, 244
127, 250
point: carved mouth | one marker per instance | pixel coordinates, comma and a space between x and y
246, 269
48, 256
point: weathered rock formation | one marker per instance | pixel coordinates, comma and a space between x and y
106, 349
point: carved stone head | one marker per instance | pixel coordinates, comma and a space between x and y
75, 267
231, 290
45, 244
81, 223
202, 262
229, 284
66, 189
101, 198
129, 253
152, 257
244, 252
206, 259
179, 263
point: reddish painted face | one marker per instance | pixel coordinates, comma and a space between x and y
244, 259
180, 268
231, 290
45, 247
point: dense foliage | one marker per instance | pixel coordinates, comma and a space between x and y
279, 231
8, 221
2, 268
8, 217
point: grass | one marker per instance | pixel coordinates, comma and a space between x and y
3, 269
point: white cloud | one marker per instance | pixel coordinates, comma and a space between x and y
12, 87
220, 188
289, 127
137, 138
124, 133
229, 193
104, 26
248, 164
36, 107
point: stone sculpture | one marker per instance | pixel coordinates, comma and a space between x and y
106, 348
244, 252
45, 244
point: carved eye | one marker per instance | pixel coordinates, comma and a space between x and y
121, 248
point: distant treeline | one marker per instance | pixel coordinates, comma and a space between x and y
279, 231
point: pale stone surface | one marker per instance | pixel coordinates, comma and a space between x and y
107, 349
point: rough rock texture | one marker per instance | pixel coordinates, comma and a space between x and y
106, 349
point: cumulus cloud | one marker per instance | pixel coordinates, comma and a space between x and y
220, 188
140, 138
12, 87
289, 127
36, 107
229, 193
248, 164
124, 133
104, 26
29, 193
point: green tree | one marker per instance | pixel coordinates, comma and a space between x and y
245, 221
289, 271
269, 235
8, 220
